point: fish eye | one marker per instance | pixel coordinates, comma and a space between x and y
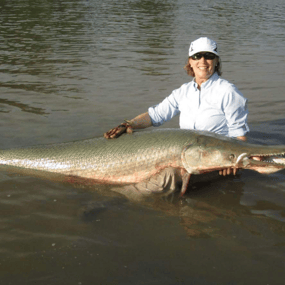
232, 156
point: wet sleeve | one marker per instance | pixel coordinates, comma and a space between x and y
236, 112
164, 111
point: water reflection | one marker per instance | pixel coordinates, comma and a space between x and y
215, 209
132, 27
211, 208
23, 107
40, 44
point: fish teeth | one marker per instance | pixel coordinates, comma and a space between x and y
273, 158
279, 160
270, 154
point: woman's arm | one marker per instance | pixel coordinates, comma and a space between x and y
141, 121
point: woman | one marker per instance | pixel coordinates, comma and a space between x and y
208, 102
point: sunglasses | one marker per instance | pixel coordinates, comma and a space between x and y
206, 55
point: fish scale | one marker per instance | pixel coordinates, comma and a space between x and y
128, 159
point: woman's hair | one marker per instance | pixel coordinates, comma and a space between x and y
189, 69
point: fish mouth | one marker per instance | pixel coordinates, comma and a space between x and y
263, 163
270, 158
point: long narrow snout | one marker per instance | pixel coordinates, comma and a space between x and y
210, 152
263, 159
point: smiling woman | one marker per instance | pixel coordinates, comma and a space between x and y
208, 102
209, 62
203, 66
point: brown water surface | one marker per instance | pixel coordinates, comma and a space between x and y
73, 69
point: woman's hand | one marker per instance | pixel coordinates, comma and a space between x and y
228, 171
142, 121
119, 130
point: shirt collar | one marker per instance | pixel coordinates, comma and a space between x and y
208, 83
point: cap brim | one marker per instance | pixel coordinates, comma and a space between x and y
194, 52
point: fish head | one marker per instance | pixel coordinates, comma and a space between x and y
214, 152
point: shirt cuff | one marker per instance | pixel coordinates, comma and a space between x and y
154, 118
242, 131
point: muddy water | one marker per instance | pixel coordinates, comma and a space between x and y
71, 70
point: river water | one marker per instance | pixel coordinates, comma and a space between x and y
72, 69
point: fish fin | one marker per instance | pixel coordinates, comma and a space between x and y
185, 182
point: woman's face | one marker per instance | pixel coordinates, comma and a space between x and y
203, 68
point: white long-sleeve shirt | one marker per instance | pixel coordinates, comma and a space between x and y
217, 107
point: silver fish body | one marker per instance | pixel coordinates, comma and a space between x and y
128, 159
142, 155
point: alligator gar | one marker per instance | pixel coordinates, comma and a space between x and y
142, 155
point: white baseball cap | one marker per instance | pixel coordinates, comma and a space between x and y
203, 45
